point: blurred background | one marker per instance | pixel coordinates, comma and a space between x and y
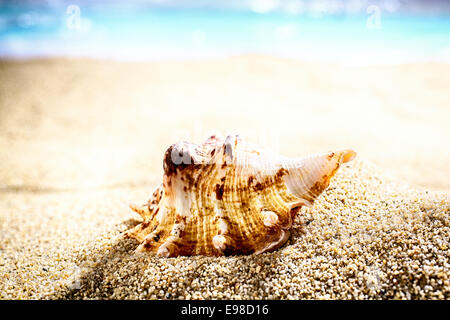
93, 92
353, 32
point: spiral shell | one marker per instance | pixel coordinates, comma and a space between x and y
227, 197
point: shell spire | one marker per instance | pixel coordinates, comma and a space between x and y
226, 196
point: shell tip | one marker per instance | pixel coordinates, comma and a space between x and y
348, 155
142, 210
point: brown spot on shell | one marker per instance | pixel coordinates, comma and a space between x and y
147, 245
180, 218
317, 188
259, 187
281, 172
219, 191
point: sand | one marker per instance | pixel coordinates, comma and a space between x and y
80, 139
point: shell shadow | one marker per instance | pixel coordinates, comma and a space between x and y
105, 263
95, 282
130, 223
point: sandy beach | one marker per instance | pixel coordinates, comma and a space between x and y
81, 139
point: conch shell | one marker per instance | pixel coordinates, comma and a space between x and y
227, 197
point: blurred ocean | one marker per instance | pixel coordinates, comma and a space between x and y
370, 32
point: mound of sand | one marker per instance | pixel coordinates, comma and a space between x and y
367, 236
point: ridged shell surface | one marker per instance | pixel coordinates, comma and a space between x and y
227, 197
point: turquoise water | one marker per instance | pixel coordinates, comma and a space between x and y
143, 33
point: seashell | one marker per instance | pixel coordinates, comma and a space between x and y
227, 197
